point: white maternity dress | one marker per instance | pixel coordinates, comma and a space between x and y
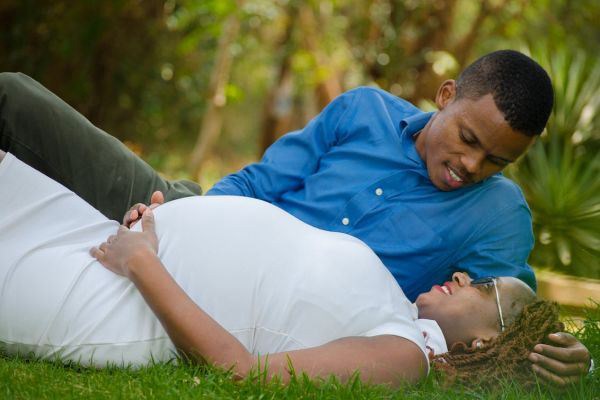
271, 280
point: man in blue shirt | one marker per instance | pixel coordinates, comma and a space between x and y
362, 167
423, 190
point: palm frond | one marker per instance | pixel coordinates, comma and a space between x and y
560, 175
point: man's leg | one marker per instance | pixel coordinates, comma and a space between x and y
46, 133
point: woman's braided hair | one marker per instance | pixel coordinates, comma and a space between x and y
505, 356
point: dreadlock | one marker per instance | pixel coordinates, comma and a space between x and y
504, 356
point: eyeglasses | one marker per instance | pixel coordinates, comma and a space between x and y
488, 282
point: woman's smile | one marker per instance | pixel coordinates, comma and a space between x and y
444, 289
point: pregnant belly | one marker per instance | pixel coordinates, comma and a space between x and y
269, 278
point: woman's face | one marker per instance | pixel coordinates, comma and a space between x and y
463, 312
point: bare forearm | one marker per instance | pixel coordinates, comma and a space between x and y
191, 329
385, 359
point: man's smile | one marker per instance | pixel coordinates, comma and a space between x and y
453, 178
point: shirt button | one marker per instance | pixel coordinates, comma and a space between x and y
345, 221
379, 191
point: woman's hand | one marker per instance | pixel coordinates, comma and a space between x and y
122, 250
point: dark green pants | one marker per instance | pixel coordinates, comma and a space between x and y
45, 132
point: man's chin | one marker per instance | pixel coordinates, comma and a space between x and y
441, 185
438, 181
444, 186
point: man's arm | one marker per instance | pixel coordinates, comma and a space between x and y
501, 248
292, 158
562, 363
285, 164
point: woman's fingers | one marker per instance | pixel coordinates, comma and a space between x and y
148, 221
96, 253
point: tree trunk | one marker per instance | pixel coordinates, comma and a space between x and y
213, 116
329, 88
436, 39
277, 112
462, 50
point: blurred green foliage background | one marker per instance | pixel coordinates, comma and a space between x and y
199, 88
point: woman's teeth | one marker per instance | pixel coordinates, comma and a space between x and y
445, 289
454, 176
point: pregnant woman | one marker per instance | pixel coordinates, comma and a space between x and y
232, 281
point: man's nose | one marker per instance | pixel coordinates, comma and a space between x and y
473, 162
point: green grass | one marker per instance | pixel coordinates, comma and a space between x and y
23, 379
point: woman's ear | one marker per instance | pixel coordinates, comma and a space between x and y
445, 94
480, 343
462, 278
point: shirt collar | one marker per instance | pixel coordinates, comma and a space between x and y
434, 337
409, 128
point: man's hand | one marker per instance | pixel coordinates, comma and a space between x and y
563, 363
136, 211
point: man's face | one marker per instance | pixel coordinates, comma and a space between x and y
467, 140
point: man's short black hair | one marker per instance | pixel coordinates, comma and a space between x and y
521, 88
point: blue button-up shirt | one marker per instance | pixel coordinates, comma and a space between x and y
355, 169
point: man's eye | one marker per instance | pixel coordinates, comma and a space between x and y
464, 139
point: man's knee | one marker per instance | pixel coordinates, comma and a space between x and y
22, 101
11, 82
15, 89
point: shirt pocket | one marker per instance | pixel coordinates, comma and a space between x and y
402, 231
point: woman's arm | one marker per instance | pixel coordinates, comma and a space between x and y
380, 359
192, 330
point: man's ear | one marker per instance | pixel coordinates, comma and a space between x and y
445, 94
